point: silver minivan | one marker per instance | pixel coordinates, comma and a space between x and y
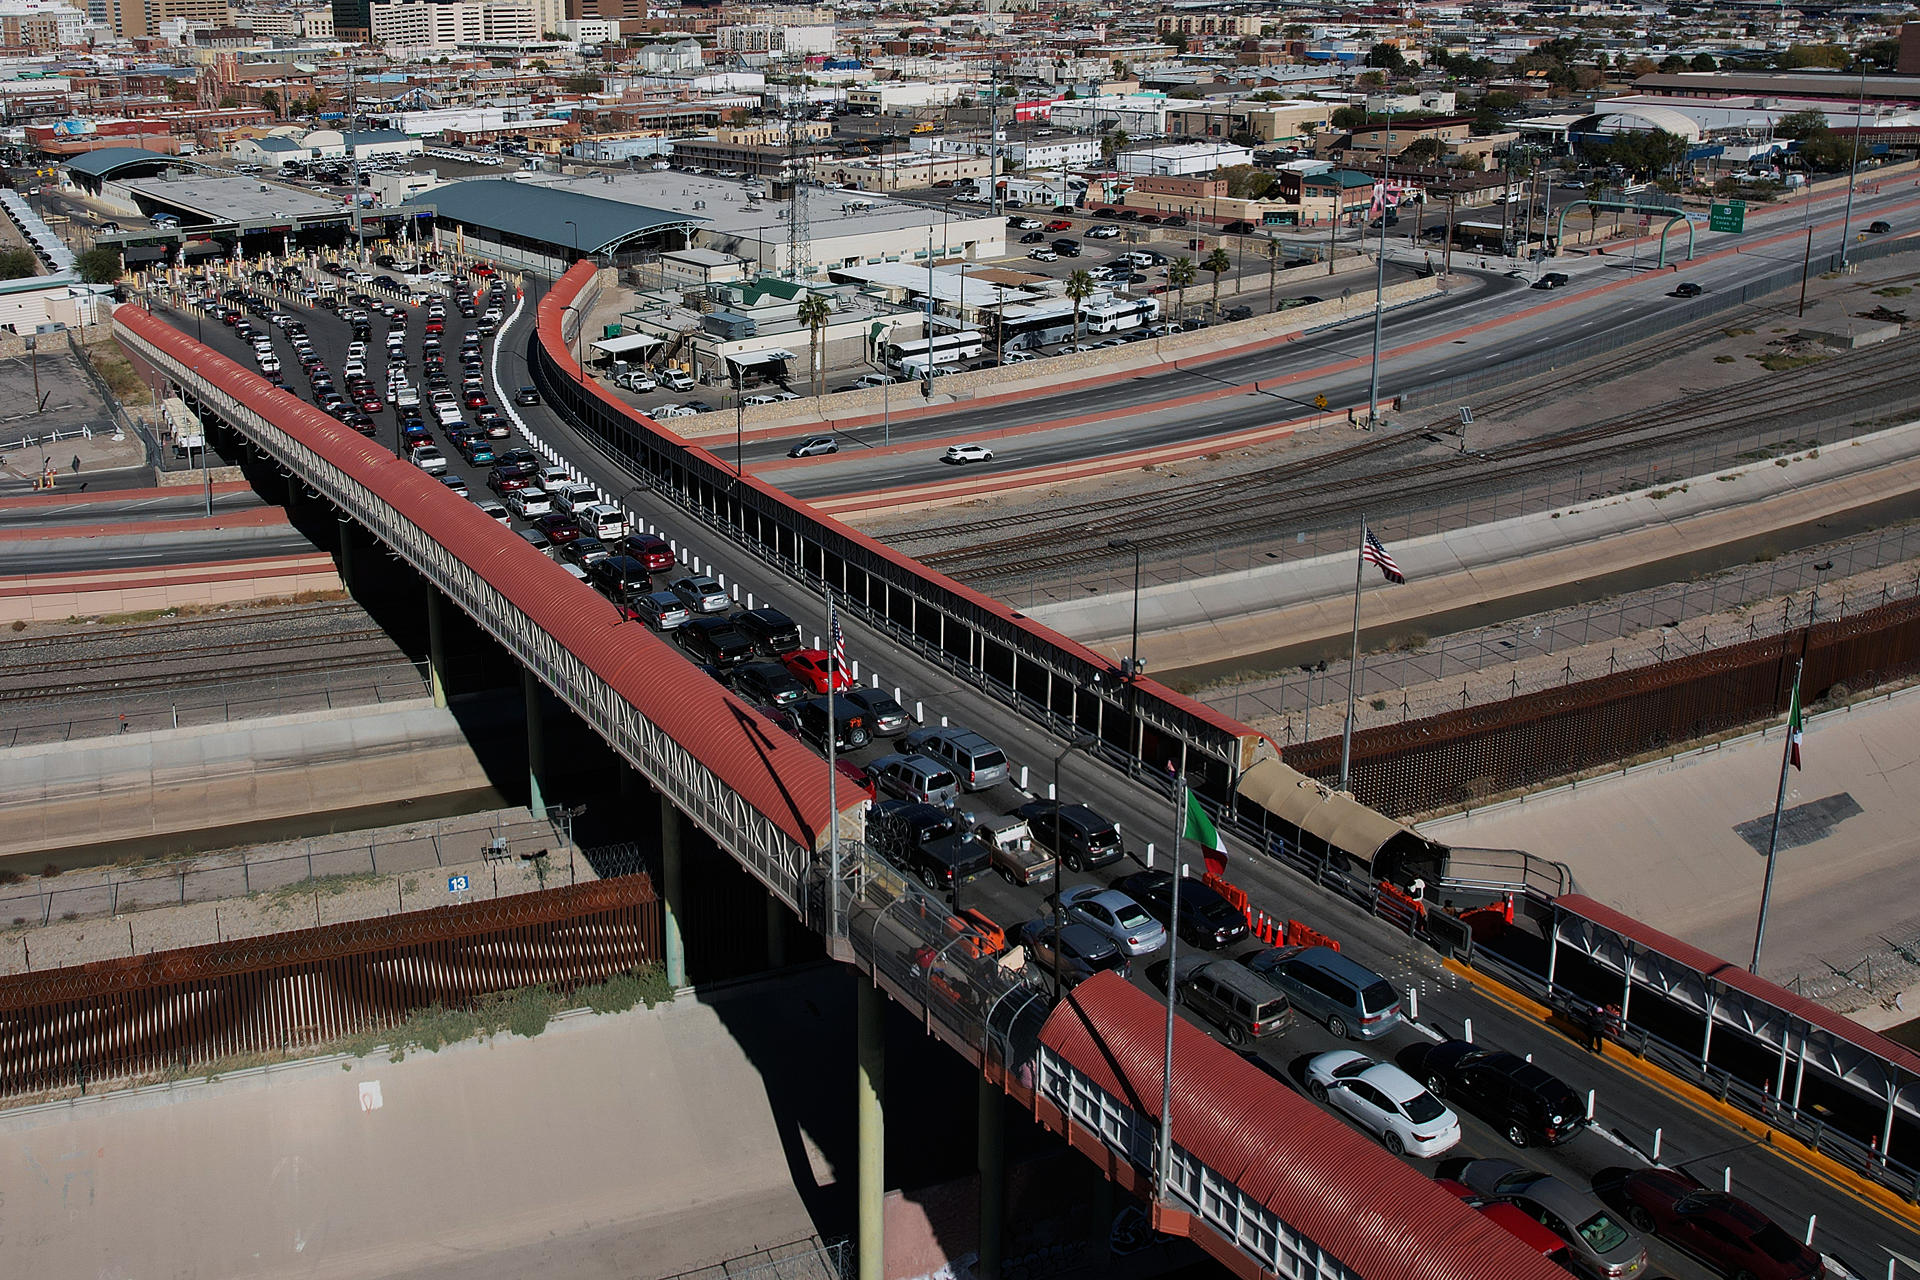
915, 778
1351, 999
978, 762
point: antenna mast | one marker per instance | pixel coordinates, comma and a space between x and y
799, 240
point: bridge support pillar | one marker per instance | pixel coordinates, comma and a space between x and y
673, 897
436, 648
869, 1089
776, 933
536, 745
344, 528
993, 1177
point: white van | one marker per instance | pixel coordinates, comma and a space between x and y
603, 521
677, 380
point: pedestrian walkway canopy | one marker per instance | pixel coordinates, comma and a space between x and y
1375, 845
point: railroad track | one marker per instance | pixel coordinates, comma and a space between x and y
152, 659
1247, 505
174, 626
138, 676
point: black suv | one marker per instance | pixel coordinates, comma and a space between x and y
1074, 833
929, 842
766, 684
1530, 1106
810, 718
1206, 919
714, 641
771, 631
620, 576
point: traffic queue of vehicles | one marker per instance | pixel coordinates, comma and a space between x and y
919, 777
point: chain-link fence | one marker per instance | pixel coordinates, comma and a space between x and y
1743, 603
809, 1259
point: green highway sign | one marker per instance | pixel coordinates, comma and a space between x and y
1731, 216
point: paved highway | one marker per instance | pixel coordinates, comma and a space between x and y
1421, 343
1698, 1140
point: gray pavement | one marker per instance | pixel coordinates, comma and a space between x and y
1675, 844
629, 1146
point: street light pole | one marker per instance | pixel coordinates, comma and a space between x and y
1380, 275
1060, 860
1853, 170
1136, 739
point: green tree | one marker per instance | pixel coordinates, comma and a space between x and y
1275, 252
1387, 57
1595, 190
584, 84
1180, 274
1671, 63
814, 311
181, 91
228, 102
1244, 182
1218, 262
1178, 40
1812, 55
1805, 123
1703, 62
1079, 288
1423, 151
15, 262
270, 99
1487, 112
1113, 144
98, 265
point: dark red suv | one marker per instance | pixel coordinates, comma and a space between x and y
650, 550
1724, 1231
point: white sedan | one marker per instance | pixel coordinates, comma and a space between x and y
673, 411
963, 453
1384, 1099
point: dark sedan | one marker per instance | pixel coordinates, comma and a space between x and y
1206, 919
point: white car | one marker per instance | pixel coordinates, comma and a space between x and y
962, 453
571, 497
1116, 916
1044, 255
1385, 1100
429, 459
529, 502
1028, 224
494, 510
636, 382
1103, 232
673, 411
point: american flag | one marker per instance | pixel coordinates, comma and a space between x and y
1374, 552
839, 666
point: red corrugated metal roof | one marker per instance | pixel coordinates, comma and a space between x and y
1371, 1211
554, 304
778, 776
1732, 975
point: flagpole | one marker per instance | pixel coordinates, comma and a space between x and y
1164, 1172
1353, 666
1779, 803
833, 777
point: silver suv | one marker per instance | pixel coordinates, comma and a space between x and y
978, 763
915, 778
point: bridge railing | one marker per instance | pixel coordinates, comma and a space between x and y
763, 844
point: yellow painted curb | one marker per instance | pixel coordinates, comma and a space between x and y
1786, 1145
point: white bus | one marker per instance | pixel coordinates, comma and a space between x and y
916, 354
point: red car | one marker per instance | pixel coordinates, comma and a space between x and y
1059, 224
1724, 1231
558, 527
434, 327
650, 550
1511, 1217
371, 404
809, 667
853, 773
475, 399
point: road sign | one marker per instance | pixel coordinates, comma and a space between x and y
1320, 402
456, 884
1731, 216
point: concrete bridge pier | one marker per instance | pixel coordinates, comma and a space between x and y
672, 895
436, 647
776, 933
870, 1081
993, 1177
343, 527
536, 744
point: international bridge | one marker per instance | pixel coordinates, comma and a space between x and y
1260, 1178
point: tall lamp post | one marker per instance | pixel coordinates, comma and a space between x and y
1136, 738
1380, 275
1853, 170
579, 332
1060, 858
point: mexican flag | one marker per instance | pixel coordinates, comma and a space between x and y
1794, 730
1199, 828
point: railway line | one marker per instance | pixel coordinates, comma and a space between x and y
1246, 507
186, 668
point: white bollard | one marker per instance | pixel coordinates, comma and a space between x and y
1466, 1032
816, 639
1185, 870
1590, 1094
722, 580
673, 544
736, 594
896, 694
919, 713
1149, 855
1658, 1135
854, 667
1050, 792
874, 677
1529, 1057
749, 599
1812, 1218
1023, 777
1413, 1004
1726, 1180
943, 722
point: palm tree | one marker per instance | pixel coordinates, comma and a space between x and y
1181, 274
1217, 262
814, 312
1079, 288
1594, 191
1274, 254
